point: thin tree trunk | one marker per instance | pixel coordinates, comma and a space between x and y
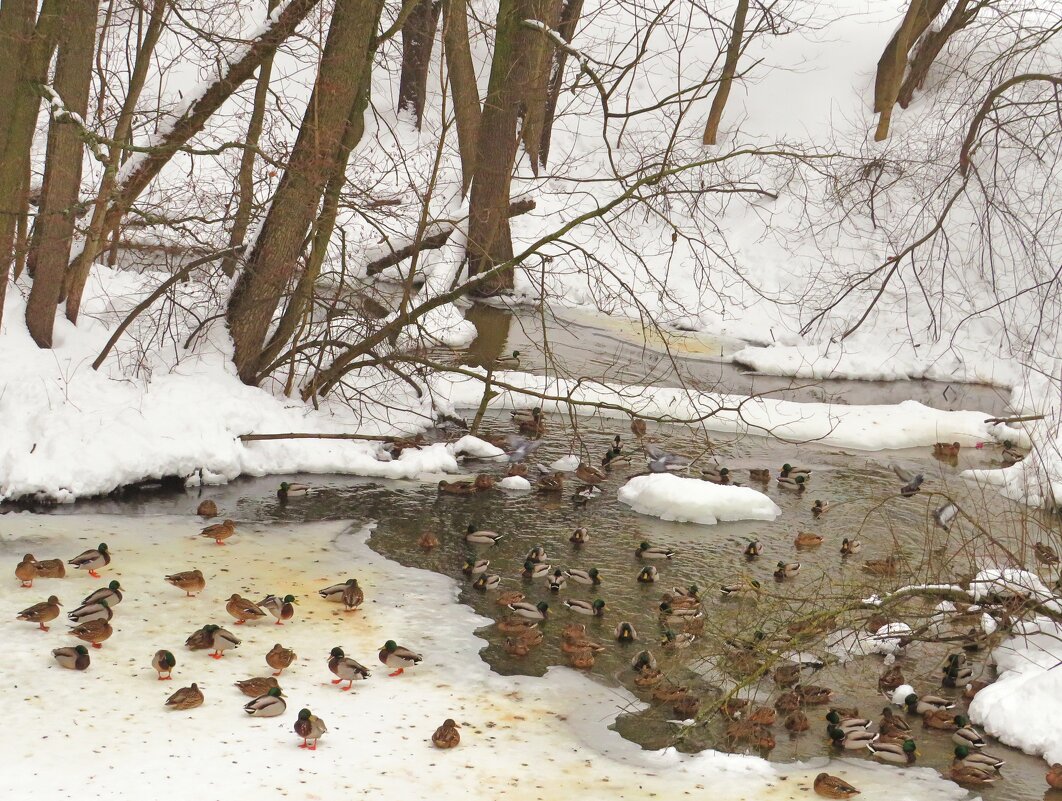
568, 21
418, 36
177, 134
461, 75
929, 48
726, 79
316, 156
537, 50
62, 169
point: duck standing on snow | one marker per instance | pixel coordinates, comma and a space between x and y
94, 632
335, 592
221, 640
112, 594
50, 568
164, 662
280, 608
269, 705
26, 570
219, 532
447, 735
41, 613
191, 581
242, 609
76, 658
256, 686
186, 698
89, 612
279, 658
309, 727
398, 657
92, 560
346, 669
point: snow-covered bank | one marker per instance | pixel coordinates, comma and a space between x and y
106, 728
690, 500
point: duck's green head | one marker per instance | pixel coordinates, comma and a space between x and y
833, 717
599, 605
471, 528
529, 566
592, 572
558, 573
516, 354
168, 659
911, 700
102, 547
274, 691
290, 599
337, 652
909, 746
800, 479
759, 635
755, 585
390, 646
114, 585
817, 502
781, 565
304, 714
724, 471
542, 607
694, 589
643, 546
82, 650
210, 628
836, 734
961, 721
351, 582
787, 467
284, 486
961, 752
665, 607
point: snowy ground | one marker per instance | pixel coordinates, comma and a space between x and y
106, 730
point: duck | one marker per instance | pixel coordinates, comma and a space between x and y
447, 735
754, 549
922, 705
820, 507
207, 509
473, 567
741, 589
515, 625
1010, 453
786, 570
309, 727
594, 609
485, 582
580, 536
793, 482
977, 758
289, 490
481, 483
806, 539
242, 609
112, 594
716, 475
625, 632
480, 537
833, 787
44, 612
551, 483
850, 546
270, 705
847, 724
50, 568
647, 551
644, 662
399, 657
946, 450
756, 736
591, 576
509, 597
638, 427
647, 575
853, 739
1054, 776
76, 658
531, 636
892, 724
92, 560
788, 702
813, 695
280, 608
191, 581
529, 421
257, 686
279, 658
582, 659
671, 641
557, 580
789, 470
955, 674
200, 640
536, 554
350, 670
89, 612
26, 570
535, 571
796, 721
186, 698
762, 715
1045, 554
589, 474
164, 662
94, 632
896, 753
613, 454
517, 646
219, 532
971, 775
530, 611
940, 720
881, 567
760, 474
428, 540
335, 591
966, 734
221, 640
353, 596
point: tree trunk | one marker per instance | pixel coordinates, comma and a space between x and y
177, 134
537, 49
726, 79
25, 52
929, 48
418, 36
569, 19
315, 158
62, 169
245, 178
462, 79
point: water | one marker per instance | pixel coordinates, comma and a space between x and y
860, 488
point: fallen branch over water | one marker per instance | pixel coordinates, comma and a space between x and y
369, 437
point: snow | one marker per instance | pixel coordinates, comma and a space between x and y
1007, 582
690, 500
515, 484
476, 448
378, 738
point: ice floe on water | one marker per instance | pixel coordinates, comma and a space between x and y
106, 731
691, 500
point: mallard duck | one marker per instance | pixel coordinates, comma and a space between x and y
219, 532
1045, 554
850, 546
279, 658
946, 450
638, 427
922, 705
813, 695
447, 735
529, 421
1054, 776
207, 509
582, 659
557, 580
973, 688
579, 645
95, 632
595, 609
647, 551
485, 582
741, 588
833, 787
335, 592
955, 673
716, 475
647, 575
762, 715
589, 475
676, 642
977, 758
551, 483
517, 646
892, 725
847, 724
350, 670
480, 537
186, 698
881, 567
50, 568
221, 640
76, 658
536, 554
191, 581
530, 611
514, 625
270, 705
853, 739
939, 720
806, 539
625, 632
309, 727
760, 474
613, 454
642, 661
789, 470
897, 753
786, 570
398, 657
966, 734
1010, 454
970, 775
531, 636
257, 686
591, 576
535, 571
92, 560
820, 507
41, 613
786, 675
796, 721
94, 611
280, 608
289, 490
353, 596
200, 640
473, 567
756, 736
242, 609
798, 483
112, 594
164, 662
753, 549
481, 483
26, 570
428, 540
788, 702
580, 536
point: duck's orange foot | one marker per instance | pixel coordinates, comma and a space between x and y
218, 542
43, 627
303, 744
216, 656
240, 622
312, 747
27, 583
94, 574
97, 645
278, 623
336, 681
398, 672
278, 672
